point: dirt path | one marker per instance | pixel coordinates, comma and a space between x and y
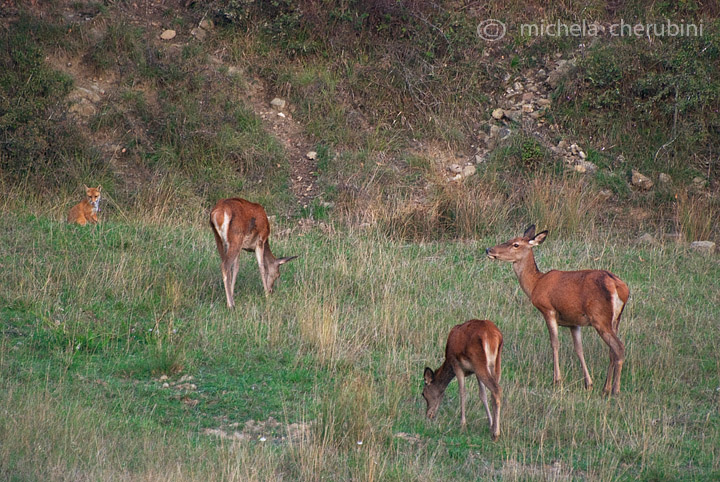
280, 123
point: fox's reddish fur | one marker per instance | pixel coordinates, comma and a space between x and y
242, 225
472, 347
86, 210
572, 299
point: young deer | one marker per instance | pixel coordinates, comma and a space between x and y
86, 210
572, 299
472, 347
239, 224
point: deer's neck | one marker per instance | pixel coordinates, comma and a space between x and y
528, 273
268, 257
444, 375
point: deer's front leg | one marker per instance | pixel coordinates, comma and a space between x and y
552, 326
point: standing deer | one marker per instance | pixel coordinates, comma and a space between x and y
472, 347
573, 299
239, 224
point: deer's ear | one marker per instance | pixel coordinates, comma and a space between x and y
285, 260
538, 239
529, 232
429, 376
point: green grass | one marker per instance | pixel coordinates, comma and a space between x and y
95, 319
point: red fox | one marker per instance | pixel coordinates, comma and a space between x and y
86, 210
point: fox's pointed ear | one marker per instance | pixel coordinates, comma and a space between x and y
538, 239
99, 188
285, 260
429, 376
529, 232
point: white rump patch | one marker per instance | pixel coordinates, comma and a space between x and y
222, 229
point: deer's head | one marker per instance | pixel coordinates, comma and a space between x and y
516, 249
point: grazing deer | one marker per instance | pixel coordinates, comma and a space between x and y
239, 224
472, 347
573, 299
86, 210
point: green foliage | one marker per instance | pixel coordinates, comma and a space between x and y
34, 139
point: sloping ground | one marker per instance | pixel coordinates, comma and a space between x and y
407, 135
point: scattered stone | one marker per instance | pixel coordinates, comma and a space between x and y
562, 68
543, 102
277, 103
84, 108
504, 133
199, 33
518, 87
641, 181
455, 168
705, 247
664, 178
206, 24
699, 183
562, 144
527, 97
527, 108
494, 131
647, 238
583, 166
582, 155
168, 34
479, 159
468, 171
498, 114
574, 149
312, 155
513, 115
604, 195
541, 73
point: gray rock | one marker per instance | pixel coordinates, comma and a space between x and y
664, 178
312, 155
641, 181
504, 133
513, 115
527, 108
706, 247
605, 194
199, 33
277, 103
468, 171
562, 68
455, 168
699, 183
527, 97
583, 166
206, 24
168, 34
647, 238
544, 102
498, 114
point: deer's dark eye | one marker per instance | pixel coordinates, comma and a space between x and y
516, 245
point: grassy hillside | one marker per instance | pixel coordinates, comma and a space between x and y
389, 94
119, 361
